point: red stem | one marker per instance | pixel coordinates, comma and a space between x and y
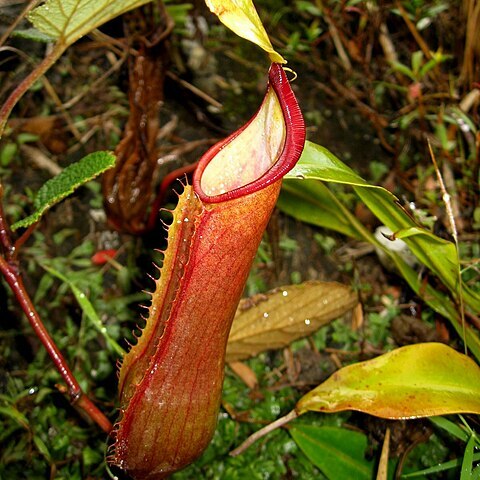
23, 238
27, 82
9, 267
5, 237
75, 392
162, 192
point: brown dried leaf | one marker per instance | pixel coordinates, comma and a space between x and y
246, 374
286, 314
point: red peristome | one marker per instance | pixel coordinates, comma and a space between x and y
293, 146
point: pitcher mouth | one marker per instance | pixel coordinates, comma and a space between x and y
259, 153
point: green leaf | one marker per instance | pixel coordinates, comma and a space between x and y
417, 59
33, 34
14, 414
7, 153
337, 452
91, 456
311, 201
87, 309
432, 63
467, 463
400, 67
475, 472
441, 303
68, 20
437, 254
414, 381
319, 163
63, 22
42, 447
460, 116
66, 182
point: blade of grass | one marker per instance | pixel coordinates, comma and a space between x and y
450, 427
441, 467
88, 310
466, 471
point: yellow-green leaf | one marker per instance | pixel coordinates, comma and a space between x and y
68, 20
286, 314
241, 17
414, 381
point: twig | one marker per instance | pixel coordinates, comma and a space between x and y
66, 115
91, 88
413, 30
5, 237
195, 90
342, 54
23, 238
37, 157
382, 472
386, 43
14, 24
280, 422
472, 20
27, 82
50, 90
453, 227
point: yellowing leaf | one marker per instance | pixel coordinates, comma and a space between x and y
414, 381
68, 20
241, 17
287, 313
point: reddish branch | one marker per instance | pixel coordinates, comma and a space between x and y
27, 82
10, 269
